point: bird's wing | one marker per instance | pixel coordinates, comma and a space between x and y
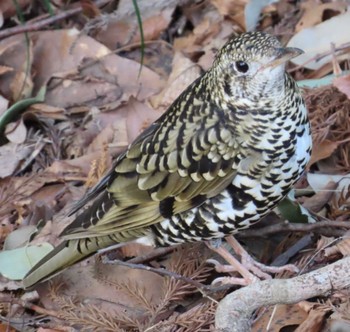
187, 156
103, 183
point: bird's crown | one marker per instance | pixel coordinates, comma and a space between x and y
250, 45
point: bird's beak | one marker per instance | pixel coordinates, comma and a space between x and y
283, 54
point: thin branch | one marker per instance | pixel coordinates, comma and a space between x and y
163, 272
30, 306
278, 228
318, 57
45, 22
154, 254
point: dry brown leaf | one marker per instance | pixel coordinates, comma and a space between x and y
339, 325
49, 232
98, 167
204, 31
6, 227
324, 242
48, 111
4, 327
329, 115
279, 317
16, 132
8, 45
118, 33
114, 133
13, 54
155, 25
18, 197
338, 320
73, 169
5, 69
214, 44
122, 27
135, 249
130, 296
320, 72
315, 320
343, 84
48, 194
11, 155
22, 85
111, 79
332, 31
139, 116
118, 128
314, 11
8, 7
342, 247
316, 202
96, 132
89, 9
228, 7
3, 104
183, 73
123, 31
322, 150
106, 286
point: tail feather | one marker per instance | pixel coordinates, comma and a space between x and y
64, 255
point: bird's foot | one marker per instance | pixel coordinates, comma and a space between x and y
234, 265
249, 269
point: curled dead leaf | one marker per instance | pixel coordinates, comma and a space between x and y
323, 150
343, 84
16, 132
183, 73
342, 247
11, 155
316, 202
313, 12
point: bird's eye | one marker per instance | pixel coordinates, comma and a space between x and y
242, 66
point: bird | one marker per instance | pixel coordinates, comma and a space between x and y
221, 157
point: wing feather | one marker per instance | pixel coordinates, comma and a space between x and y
180, 162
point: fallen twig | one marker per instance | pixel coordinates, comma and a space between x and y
154, 254
263, 231
341, 48
163, 272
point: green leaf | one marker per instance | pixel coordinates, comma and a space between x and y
139, 21
12, 113
292, 211
15, 263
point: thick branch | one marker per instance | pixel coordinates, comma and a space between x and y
235, 310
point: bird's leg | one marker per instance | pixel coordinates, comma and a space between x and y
235, 265
252, 265
250, 269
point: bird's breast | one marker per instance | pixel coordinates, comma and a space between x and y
272, 152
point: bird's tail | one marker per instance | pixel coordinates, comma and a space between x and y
64, 255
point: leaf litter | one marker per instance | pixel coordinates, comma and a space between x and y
96, 104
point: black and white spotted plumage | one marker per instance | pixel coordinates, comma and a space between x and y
222, 156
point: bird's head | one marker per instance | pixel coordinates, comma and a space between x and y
251, 67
